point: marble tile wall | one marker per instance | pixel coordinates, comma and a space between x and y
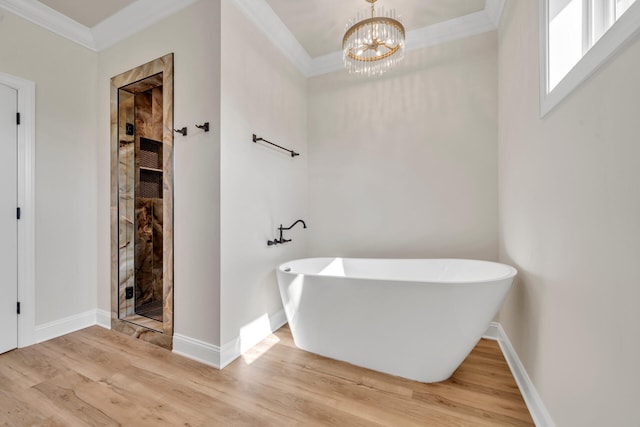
157, 212
148, 251
148, 211
148, 116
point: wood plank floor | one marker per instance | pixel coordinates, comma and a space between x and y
100, 377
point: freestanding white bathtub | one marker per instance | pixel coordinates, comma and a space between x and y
414, 318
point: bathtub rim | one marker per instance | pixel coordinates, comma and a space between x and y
512, 272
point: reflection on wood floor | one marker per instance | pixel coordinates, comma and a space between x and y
100, 377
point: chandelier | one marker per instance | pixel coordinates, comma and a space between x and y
373, 42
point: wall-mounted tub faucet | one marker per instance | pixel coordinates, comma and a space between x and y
282, 239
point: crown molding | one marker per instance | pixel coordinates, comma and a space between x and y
326, 64
144, 13
431, 35
261, 14
494, 9
128, 21
447, 31
464, 26
50, 19
134, 18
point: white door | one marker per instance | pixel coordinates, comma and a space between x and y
8, 219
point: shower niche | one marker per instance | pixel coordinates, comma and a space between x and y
142, 202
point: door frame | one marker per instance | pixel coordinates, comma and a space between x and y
26, 201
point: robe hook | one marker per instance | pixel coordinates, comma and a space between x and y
204, 126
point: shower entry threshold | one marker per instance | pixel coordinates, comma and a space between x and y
143, 321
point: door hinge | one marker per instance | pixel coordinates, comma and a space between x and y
18, 307
18, 213
18, 118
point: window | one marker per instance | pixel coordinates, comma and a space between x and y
577, 36
622, 6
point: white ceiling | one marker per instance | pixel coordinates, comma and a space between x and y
319, 24
308, 32
87, 12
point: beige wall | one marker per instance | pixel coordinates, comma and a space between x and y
65, 153
261, 187
193, 35
406, 165
570, 223
73, 166
224, 271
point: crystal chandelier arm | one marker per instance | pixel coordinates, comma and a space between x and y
361, 48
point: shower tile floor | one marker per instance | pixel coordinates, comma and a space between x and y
152, 310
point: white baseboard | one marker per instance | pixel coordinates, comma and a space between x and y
200, 351
539, 413
103, 318
192, 348
278, 320
230, 352
65, 326
252, 334
492, 331
220, 357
